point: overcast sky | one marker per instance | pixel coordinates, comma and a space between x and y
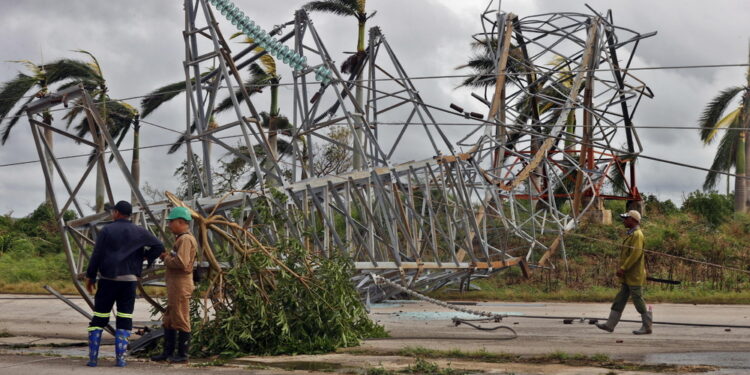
139, 45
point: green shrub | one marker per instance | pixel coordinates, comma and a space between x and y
23, 263
713, 207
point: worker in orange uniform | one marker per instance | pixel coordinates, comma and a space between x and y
179, 278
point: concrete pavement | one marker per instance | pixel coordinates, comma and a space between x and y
417, 324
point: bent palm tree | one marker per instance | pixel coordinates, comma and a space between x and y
732, 146
118, 118
26, 87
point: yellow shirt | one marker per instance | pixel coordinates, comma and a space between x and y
632, 259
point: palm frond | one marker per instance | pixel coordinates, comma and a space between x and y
13, 120
724, 122
73, 113
95, 63
486, 46
483, 65
617, 175
281, 123
87, 85
181, 140
257, 81
13, 91
713, 111
337, 7
65, 69
156, 98
725, 157
268, 62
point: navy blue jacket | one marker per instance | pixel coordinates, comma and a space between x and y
120, 250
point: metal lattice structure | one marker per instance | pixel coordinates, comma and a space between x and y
501, 194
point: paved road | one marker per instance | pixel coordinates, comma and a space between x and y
420, 324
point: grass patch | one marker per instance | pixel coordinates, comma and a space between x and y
420, 366
5, 333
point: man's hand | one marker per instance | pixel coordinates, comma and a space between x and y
620, 273
162, 255
90, 286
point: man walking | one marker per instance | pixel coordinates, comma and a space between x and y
117, 261
632, 275
179, 278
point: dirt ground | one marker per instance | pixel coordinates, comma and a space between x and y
38, 322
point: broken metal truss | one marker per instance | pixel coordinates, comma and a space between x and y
416, 207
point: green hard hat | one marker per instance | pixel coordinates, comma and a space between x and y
179, 213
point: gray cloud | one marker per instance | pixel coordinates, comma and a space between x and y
140, 47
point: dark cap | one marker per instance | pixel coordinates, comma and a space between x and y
122, 207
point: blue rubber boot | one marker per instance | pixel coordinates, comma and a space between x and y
95, 340
121, 346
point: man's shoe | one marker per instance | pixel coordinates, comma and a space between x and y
170, 338
614, 318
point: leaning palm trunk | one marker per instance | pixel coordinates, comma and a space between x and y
745, 116
100, 171
47, 118
135, 165
739, 180
358, 161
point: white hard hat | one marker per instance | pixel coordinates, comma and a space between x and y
632, 213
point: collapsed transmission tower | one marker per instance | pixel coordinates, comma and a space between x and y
419, 206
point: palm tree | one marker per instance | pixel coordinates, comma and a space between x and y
732, 151
118, 117
350, 8
36, 84
482, 64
